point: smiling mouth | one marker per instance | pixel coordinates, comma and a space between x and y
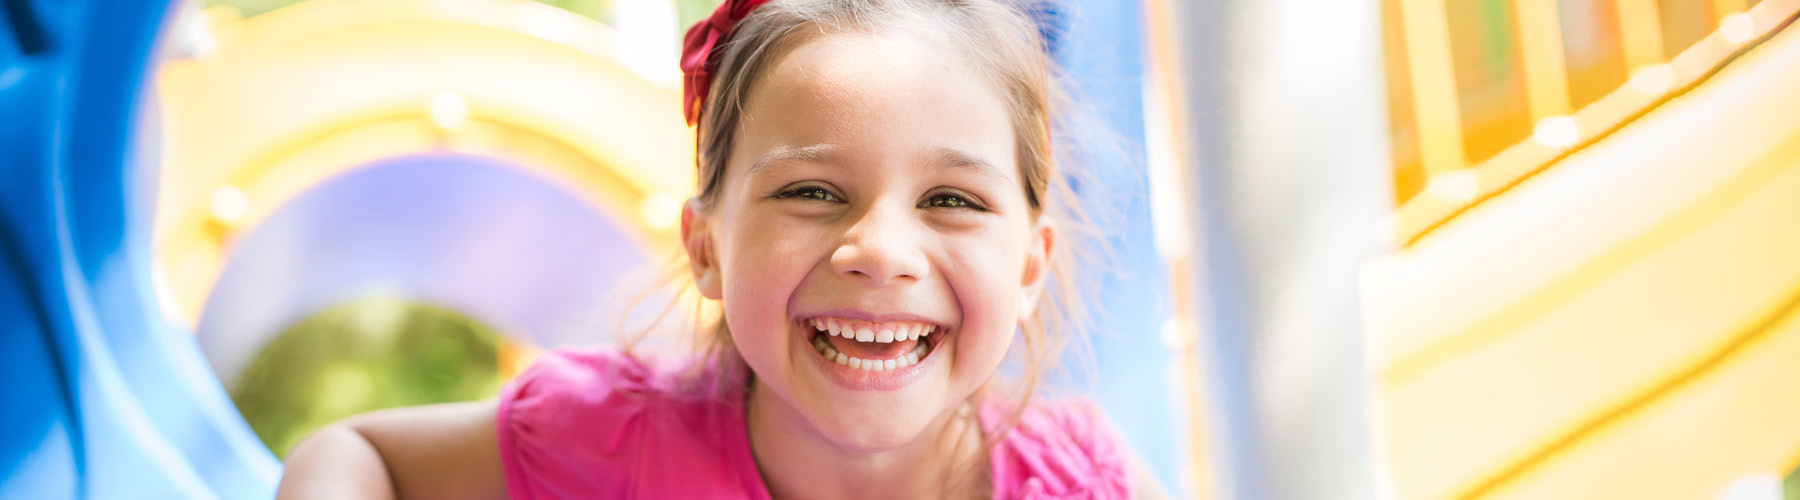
871, 346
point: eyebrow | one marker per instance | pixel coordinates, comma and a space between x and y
789, 155
959, 160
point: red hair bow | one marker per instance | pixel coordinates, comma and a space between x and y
696, 68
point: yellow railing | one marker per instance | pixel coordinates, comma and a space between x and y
1485, 93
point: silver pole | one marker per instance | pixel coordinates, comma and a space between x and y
1289, 177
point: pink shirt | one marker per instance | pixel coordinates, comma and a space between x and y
593, 423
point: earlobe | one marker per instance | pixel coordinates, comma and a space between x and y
698, 242
1037, 266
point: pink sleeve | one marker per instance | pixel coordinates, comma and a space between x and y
570, 426
1059, 450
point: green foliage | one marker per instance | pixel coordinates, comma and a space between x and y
1790, 488
598, 10
687, 12
253, 7
364, 356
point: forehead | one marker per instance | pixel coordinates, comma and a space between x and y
899, 95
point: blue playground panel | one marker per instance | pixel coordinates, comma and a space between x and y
107, 398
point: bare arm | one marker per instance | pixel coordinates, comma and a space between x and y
441, 451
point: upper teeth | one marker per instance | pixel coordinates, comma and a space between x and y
863, 331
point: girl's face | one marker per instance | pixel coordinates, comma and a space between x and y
872, 197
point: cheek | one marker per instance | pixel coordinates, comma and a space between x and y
986, 280
760, 274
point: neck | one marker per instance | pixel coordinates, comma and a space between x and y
797, 463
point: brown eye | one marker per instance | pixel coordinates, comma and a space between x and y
815, 193
951, 200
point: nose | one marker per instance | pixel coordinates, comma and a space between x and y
880, 247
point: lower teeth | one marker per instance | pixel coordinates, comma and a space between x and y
872, 365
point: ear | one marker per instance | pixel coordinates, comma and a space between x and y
1037, 266
697, 240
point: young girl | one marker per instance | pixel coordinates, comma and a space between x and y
875, 220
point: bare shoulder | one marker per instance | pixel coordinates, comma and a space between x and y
439, 451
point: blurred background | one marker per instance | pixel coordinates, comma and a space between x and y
1381, 249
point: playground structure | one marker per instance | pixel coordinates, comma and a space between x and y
1602, 307
190, 182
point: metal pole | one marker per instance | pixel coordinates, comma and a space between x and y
1289, 177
